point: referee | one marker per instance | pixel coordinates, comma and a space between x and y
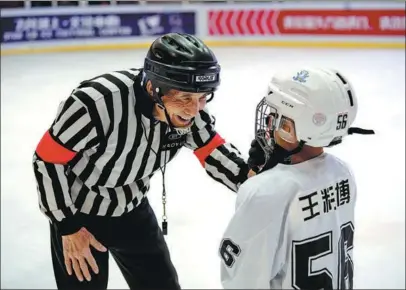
94, 164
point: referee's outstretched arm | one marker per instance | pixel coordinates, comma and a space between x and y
221, 159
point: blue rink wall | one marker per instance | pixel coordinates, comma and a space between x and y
318, 24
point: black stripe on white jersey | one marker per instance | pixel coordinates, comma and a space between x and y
87, 171
122, 130
41, 191
128, 164
66, 105
221, 169
73, 118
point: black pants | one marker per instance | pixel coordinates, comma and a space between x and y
136, 243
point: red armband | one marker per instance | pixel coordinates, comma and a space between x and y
51, 151
203, 152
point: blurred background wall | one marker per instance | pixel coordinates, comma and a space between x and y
46, 26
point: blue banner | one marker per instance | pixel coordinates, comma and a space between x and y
85, 26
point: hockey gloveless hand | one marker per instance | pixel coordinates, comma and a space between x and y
77, 254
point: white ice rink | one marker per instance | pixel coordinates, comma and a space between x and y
33, 85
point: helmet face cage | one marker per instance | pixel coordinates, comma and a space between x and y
266, 118
269, 120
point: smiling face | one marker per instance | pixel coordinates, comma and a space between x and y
181, 107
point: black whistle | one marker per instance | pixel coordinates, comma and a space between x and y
165, 228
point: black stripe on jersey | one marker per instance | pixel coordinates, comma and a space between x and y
57, 188
196, 136
75, 159
220, 168
95, 120
208, 127
93, 142
148, 151
198, 140
122, 129
127, 74
128, 196
71, 120
88, 101
206, 117
132, 154
89, 82
235, 148
142, 188
231, 155
80, 200
71, 178
83, 133
42, 192
157, 163
114, 201
96, 205
219, 180
65, 107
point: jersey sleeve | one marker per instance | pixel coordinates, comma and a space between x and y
72, 131
221, 159
248, 250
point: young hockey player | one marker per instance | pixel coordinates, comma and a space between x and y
293, 227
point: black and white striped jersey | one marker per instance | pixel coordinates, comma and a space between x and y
104, 146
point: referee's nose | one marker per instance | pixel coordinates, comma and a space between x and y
193, 107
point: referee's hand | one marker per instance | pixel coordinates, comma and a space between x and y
77, 254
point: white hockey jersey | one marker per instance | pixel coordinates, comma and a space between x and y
293, 228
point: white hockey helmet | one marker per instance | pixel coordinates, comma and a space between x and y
321, 103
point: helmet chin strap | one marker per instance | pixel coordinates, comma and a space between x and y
280, 155
158, 97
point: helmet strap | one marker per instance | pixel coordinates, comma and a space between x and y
281, 155
356, 130
211, 98
157, 96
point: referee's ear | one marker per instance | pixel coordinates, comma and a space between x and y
149, 88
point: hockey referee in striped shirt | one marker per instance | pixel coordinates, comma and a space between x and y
94, 164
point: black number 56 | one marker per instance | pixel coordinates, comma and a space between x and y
306, 252
341, 121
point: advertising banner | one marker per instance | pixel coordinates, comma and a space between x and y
97, 25
347, 22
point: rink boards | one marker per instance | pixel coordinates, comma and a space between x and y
282, 24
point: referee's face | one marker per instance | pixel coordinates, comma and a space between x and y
182, 107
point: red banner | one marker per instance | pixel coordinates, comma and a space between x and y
241, 22
256, 22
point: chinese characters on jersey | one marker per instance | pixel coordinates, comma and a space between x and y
326, 199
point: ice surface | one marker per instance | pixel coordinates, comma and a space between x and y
33, 85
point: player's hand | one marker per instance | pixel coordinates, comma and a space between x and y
256, 158
77, 254
251, 173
